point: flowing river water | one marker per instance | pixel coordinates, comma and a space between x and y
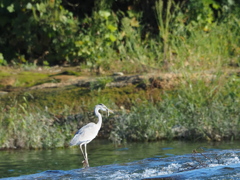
162, 159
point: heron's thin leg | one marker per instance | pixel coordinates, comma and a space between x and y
86, 154
82, 151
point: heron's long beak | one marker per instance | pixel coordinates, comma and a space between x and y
109, 110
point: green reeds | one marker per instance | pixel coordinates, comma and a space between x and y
26, 126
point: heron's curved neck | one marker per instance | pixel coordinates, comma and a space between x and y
99, 118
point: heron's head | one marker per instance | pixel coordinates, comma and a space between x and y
103, 108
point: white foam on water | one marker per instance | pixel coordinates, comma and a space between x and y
216, 165
233, 160
225, 160
142, 173
171, 168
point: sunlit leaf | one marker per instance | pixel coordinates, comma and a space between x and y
78, 43
111, 28
112, 38
29, 6
38, 7
104, 14
41, 7
2, 60
134, 22
11, 8
215, 6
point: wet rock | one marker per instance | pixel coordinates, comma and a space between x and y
121, 81
118, 74
180, 131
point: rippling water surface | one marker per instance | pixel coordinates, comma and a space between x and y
128, 161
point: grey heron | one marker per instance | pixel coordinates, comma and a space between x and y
88, 132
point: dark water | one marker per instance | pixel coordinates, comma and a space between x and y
23, 162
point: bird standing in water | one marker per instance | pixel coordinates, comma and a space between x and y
88, 132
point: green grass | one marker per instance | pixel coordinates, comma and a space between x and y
24, 126
197, 110
100, 83
181, 46
28, 79
23, 78
49, 119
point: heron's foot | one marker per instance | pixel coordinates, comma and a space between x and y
85, 164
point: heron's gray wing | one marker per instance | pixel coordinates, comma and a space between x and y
85, 134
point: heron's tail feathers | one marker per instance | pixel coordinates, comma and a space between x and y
74, 141
71, 144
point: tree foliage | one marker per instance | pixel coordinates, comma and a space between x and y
59, 31
33, 29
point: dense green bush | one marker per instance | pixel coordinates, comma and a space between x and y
33, 29
97, 33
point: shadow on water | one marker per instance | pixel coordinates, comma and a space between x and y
129, 161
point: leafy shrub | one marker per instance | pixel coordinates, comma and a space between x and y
182, 34
2, 60
33, 30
